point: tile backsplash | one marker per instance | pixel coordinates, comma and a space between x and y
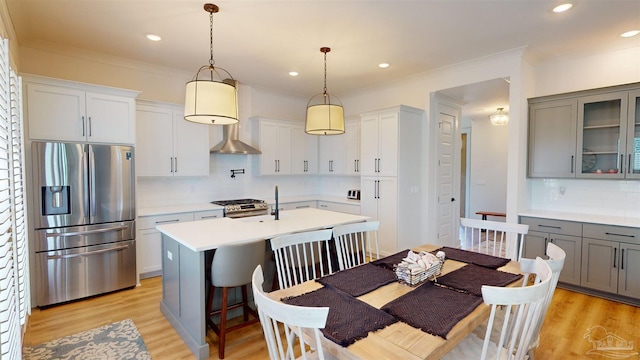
606, 197
154, 191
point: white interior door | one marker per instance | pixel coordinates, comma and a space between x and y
448, 171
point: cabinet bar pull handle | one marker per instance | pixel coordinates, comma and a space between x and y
89, 125
621, 164
615, 257
167, 221
209, 217
550, 226
625, 235
629, 165
175, 161
546, 243
82, 125
171, 163
622, 260
572, 164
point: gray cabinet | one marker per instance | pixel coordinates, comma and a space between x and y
552, 138
611, 259
565, 234
593, 134
602, 128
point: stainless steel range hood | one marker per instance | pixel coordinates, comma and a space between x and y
231, 143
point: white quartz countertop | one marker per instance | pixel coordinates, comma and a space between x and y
210, 234
585, 218
175, 209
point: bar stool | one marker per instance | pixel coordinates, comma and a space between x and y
232, 266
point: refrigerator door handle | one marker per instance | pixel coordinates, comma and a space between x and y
102, 251
88, 232
92, 185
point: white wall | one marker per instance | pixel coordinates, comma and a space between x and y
488, 172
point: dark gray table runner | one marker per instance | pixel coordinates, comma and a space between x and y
433, 309
470, 257
359, 280
349, 319
470, 278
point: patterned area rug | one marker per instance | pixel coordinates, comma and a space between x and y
120, 340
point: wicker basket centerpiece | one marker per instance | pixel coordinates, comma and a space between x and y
417, 268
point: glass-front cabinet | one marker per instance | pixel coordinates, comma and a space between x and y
633, 136
602, 136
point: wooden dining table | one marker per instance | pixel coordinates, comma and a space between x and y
400, 340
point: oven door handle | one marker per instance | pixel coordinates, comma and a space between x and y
87, 232
68, 256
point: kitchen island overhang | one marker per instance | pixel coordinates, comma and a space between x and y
183, 260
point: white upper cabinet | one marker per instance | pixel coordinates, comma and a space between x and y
352, 145
275, 144
379, 144
304, 151
332, 154
168, 145
340, 154
67, 111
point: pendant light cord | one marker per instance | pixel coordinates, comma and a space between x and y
211, 61
325, 74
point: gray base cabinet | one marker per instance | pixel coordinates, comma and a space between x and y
600, 258
565, 234
611, 259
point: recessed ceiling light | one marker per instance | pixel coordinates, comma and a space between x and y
153, 37
630, 33
293, 73
383, 65
562, 8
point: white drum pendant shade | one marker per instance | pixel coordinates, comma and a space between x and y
211, 102
325, 119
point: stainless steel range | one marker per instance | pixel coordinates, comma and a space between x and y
243, 207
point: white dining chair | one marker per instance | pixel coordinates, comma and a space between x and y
522, 307
302, 256
355, 241
283, 325
556, 260
491, 237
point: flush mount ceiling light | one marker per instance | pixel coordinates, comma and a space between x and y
562, 8
325, 115
153, 37
213, 100
499, 118
629, 34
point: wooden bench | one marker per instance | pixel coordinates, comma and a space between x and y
490, 213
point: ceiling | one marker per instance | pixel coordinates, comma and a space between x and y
259, 42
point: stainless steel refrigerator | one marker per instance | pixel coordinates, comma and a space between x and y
84, 220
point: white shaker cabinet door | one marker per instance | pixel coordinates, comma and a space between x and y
369, 145
352, 145
388, 214
388, 144
110, 119
190, 147
154, 146
55, 113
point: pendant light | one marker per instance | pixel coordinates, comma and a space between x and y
325, 115
499, 118
214, 99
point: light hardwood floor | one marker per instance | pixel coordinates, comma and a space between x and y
562, 337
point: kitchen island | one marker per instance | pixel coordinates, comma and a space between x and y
183, 260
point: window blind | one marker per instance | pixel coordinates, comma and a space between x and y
19, 198
10, 330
